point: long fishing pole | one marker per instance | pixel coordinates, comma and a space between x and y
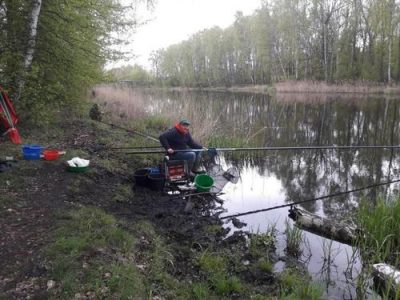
333, 147
145, 148
310, 200
153, 138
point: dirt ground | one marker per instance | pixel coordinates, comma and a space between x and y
34, 194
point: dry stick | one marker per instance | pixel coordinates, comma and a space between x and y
310, 200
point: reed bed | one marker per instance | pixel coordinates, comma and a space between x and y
324, 87
202, 129
381, 226
120, 103
319, 98
124, 105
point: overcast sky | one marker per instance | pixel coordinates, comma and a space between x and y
173, 21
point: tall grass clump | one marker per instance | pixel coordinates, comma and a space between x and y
295, 285
294, 238
380, 227
215, 269
262, 244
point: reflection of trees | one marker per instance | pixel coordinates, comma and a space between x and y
306, 174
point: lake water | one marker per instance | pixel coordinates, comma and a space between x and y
280, 177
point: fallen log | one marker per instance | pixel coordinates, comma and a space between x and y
338, 231
386, 277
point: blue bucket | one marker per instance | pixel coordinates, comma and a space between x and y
32, 152
154, 170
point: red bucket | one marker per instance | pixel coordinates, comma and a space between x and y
51, 154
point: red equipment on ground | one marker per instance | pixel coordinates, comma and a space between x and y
8, 117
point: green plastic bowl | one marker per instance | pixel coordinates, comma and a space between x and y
77, 169
203, 182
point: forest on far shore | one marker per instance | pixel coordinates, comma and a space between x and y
318, 40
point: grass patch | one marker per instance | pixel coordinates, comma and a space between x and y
200, 291
265, 265
215, 269
125, 282
154, 123
77, 153
381, 228
261, 244
110, 165
295, 285
211, 263
80, 256
92, 253
214, 229
123, 193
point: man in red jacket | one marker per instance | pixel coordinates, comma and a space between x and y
179, 138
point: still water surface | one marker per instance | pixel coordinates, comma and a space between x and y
279, 177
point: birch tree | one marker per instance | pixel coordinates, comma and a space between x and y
32, 32
30, 44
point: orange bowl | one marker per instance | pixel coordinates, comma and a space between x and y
51, 154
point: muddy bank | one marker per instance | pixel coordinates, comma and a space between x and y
172, 252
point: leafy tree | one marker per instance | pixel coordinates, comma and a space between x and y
51, 52
330, 40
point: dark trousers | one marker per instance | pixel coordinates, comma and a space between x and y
193, 157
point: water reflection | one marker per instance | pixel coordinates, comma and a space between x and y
279, 177
309, 173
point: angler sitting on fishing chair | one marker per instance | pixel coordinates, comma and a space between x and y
178, 138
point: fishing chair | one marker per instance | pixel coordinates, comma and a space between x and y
176, 173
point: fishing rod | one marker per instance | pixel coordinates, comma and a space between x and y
105, 148
148, 136
333, 147
310, 200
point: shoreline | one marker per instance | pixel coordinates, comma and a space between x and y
301, 87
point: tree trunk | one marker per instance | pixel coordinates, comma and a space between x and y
325, 53
389, 71
3, 22
3, 9
32, 32
398, 59
30, 45
343, 233
296, 68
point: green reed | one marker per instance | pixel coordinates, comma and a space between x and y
294, 238
380, 225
